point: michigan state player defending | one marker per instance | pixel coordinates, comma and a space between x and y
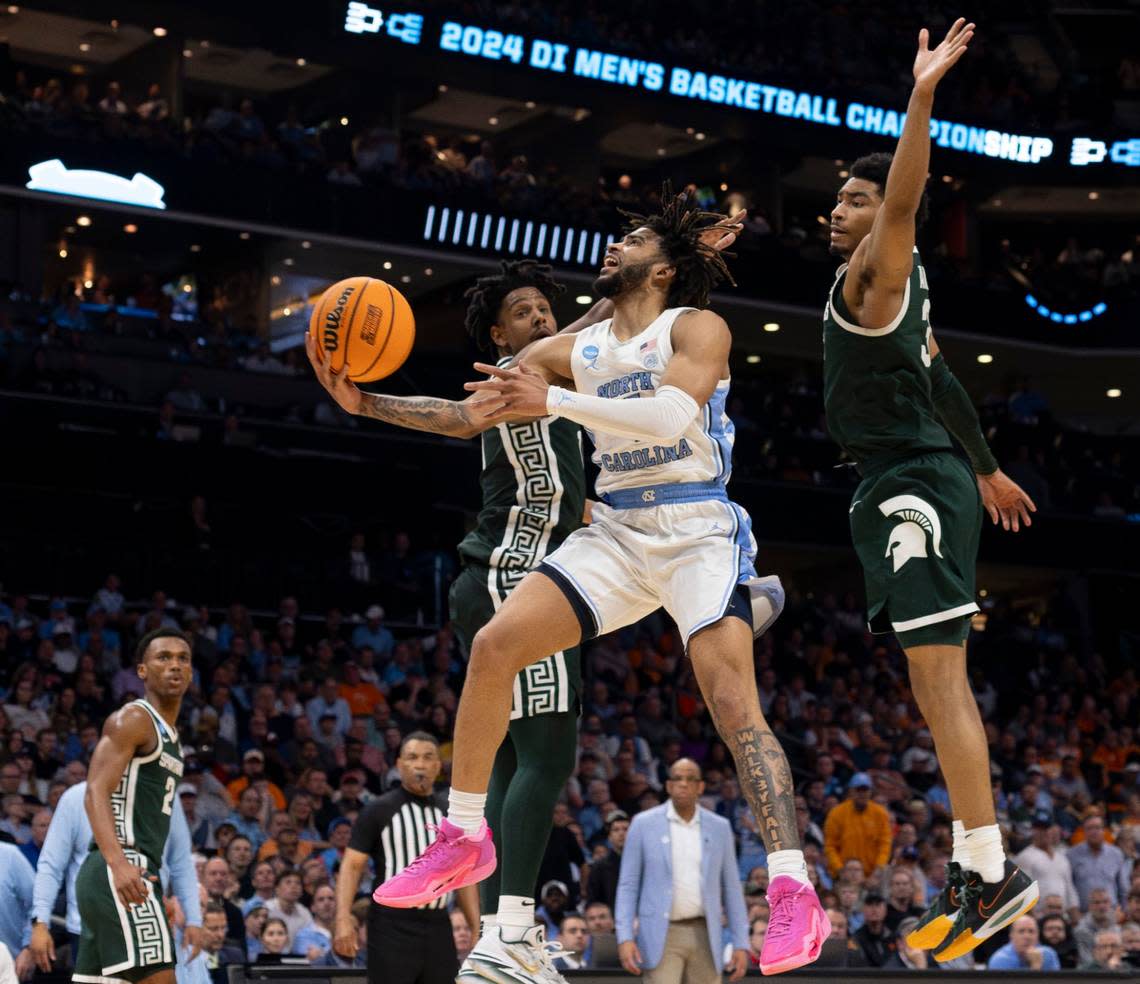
916, 517
534, 494
650, 386
130, 797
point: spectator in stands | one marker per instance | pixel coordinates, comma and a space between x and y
1096, 863
605, 872
1055, 933
1107, 953
284, 842
253, 774
1130, 937
263, 882
907, 957
857, 828
286, 905
216, 878
574, 936
329, 701
315, 940
112, 103
154, 109
481, 168
15, 822
462, 935
901, 904
1101, 915
1046, 865
274, 940
874, 939
373, 634
41, 819
218, 951
1023, 951
246, 819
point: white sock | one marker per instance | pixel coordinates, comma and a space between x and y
790, 863
516, 916
984, 853
487, 924
959, 855
465, 810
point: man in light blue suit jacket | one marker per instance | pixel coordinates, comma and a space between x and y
678, 880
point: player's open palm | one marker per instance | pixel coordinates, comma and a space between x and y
1006, 501
340, 387
931, 64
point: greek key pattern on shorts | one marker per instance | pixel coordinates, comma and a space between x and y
519, 552
541, 686
148, 934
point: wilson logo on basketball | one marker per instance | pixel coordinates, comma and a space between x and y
332, 320
372, 316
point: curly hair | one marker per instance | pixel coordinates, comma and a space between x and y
487, 294
679, 225
875, 168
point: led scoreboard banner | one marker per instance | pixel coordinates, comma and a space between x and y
678, 81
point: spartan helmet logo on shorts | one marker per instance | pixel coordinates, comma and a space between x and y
908, 538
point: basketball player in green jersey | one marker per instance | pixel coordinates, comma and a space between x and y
135, 770
892, 403
534, 495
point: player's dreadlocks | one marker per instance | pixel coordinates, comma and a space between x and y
486, 297
874, 168
679, 225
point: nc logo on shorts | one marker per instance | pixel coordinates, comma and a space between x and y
590, 354
908, 539
649, 495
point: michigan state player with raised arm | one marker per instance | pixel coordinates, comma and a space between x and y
135, 770
892, 404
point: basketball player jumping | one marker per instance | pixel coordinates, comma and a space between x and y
916, 517
665, 533
135, 769
534, 494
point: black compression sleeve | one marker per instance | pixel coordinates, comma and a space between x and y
959, 417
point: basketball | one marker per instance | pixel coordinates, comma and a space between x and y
364, 328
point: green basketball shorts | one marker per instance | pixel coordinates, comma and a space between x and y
916, 527
549, 686
117, 941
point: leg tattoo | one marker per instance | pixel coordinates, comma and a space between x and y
766, 781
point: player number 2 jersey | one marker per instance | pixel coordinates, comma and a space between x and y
605, 367
145, 797
876, 381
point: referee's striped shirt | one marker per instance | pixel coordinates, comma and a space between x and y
393, 831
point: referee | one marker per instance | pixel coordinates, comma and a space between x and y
405, 946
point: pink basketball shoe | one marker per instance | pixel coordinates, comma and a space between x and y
452, 860
797, 926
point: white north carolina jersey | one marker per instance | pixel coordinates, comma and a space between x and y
603, 366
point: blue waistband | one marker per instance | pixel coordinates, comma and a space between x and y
657, 495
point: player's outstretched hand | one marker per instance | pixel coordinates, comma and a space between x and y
515, 392
130, 882
1006, 501
340, 388
723, 234
930, 66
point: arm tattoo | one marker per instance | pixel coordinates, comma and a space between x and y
766, 780
422, 413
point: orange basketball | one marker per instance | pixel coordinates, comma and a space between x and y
364, 327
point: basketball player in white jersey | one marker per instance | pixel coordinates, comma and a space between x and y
650, 386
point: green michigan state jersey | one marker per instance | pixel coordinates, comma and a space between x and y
145, 797
877, 380
534, 492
